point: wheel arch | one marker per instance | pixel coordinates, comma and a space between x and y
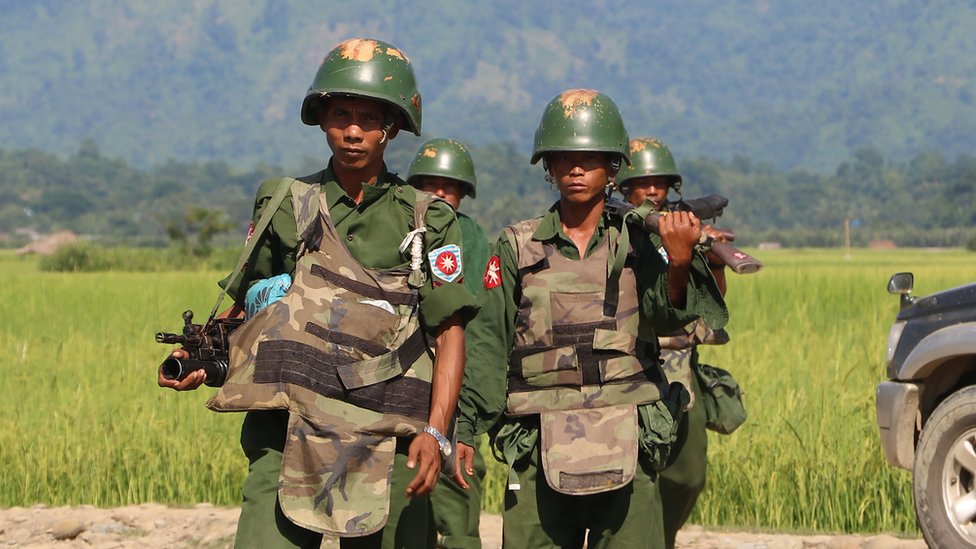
945, 376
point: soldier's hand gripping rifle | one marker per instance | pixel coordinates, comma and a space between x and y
205, 343
706, 207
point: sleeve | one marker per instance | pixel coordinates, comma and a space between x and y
274, 253
704, 300
475, 249
710, 301
489, 339
444, 293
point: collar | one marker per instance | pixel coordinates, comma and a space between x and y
335, 193
550, 228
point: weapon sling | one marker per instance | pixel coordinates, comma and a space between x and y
259, 228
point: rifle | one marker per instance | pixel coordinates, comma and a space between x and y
706, 207
207, 346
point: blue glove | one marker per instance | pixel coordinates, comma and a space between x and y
265, 292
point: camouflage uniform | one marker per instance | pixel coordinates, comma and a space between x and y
537, 515
367, 231
564, 346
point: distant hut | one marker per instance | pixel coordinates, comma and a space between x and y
49, 244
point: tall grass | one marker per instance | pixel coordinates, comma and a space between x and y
82, 421
808, 345
81, 418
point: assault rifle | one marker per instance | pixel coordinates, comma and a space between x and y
207, 346
706, 207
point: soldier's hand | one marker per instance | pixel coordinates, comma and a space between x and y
189, 383
717, 235
465, 462
680, 232
425, 456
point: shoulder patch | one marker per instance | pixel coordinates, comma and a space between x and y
250, 233
445, 262
493, 273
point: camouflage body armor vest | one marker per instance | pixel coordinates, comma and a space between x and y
677, 353
577, 361
344, 352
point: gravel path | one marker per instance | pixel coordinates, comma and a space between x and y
205, 526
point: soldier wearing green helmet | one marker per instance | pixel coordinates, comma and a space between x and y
652, 173
650, 158
563, 369
444, 168
346, 408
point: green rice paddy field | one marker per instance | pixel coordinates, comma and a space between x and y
82, 421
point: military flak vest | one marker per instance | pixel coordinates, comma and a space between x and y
344, 352
577, 361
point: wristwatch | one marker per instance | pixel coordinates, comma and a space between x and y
442, 441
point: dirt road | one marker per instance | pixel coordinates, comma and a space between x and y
205, 526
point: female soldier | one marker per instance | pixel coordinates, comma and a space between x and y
564, 368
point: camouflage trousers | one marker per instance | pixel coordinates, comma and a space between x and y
457, 512
263, 525
683, 479
538, 517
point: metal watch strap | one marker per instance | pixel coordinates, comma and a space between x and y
445, 445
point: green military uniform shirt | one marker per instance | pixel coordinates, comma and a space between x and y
491, 335
372, 231
703, 282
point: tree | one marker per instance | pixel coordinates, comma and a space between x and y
194, 233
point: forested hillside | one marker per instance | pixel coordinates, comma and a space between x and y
790, 84
926, 200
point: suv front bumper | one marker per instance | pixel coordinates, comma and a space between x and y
897, 411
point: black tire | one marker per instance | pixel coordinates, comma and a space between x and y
945, 473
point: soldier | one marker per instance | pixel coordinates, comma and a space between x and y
443, 167
649, 177
345, 405
563, 365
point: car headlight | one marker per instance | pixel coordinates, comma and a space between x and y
893, 336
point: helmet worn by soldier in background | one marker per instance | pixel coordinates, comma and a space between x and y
365, 67
581, 120
443, 157
649, 156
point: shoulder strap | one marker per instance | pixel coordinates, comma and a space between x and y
259, 228
527, 251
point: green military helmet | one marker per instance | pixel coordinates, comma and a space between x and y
367, 68
442, 157
649, 156
581, 120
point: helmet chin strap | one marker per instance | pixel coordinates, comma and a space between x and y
388, 121
386, 131
549, 178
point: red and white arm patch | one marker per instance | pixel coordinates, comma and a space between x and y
250, 233
493, 273
445, 262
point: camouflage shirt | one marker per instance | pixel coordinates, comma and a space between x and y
489, 338
372, 231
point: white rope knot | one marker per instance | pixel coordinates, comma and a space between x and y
415, 241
